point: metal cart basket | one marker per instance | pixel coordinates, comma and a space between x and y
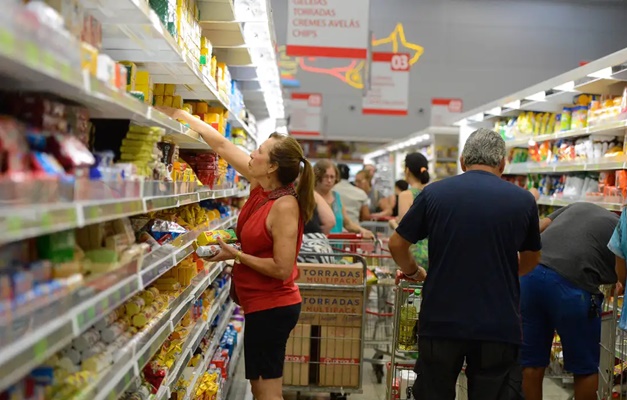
379, 321
324, 353
401, 376
613, 357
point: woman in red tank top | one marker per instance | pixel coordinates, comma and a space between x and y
270, 229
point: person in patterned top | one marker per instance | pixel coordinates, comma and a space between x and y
417, 176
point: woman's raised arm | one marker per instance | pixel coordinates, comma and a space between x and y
221, 145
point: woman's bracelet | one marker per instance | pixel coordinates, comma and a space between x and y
413, 276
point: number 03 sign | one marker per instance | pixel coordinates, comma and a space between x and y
389, 85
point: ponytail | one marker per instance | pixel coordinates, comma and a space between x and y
288, 155
305, 191
424, 177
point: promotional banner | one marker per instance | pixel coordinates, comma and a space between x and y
305, 114
443, 111
389, 85
328, 28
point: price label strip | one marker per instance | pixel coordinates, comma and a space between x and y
149, 276
160, 203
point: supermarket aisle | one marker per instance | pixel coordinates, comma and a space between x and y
374, 391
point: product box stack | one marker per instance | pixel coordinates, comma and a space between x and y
325, 347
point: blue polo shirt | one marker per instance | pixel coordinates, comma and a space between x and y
476, 224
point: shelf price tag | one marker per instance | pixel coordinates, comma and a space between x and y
92, 212
117, 296
104, 304
40, 349
7, 42
49, 62
31, 54
14, 224
46, 220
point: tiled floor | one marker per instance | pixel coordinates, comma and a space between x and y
373, 391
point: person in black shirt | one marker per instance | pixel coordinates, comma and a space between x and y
483, 234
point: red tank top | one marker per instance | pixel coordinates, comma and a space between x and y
255, 291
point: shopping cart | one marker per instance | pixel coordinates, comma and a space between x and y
613, 357
379, 226
401, 377
324, 353
379, 324
401, 382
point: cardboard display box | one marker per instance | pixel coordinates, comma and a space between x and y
331, 274
340, 352
298, 356
332, 308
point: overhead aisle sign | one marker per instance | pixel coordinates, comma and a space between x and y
444, 110
328, 28
389, 85
306, 114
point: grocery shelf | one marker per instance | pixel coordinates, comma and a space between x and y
604, 164
204, 365
603, 76
233, 365
191, 344
20, 356
38, 69
560, 202
22, 222
132, 31
606, 129
114, 386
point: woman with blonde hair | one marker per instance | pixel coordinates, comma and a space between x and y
327, 176
270, 229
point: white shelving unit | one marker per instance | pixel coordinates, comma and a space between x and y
605, 76
132, 31
438, 144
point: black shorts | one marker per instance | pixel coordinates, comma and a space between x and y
265, 337
492, 369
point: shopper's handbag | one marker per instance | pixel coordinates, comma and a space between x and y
284, 191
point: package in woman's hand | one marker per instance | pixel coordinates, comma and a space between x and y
212, 250
211, 237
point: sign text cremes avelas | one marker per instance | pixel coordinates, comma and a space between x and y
328, 28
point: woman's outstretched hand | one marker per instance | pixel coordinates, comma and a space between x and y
171, 112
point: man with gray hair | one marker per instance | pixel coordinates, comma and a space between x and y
483, 234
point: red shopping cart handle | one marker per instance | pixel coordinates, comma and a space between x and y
345, 236
382, 219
